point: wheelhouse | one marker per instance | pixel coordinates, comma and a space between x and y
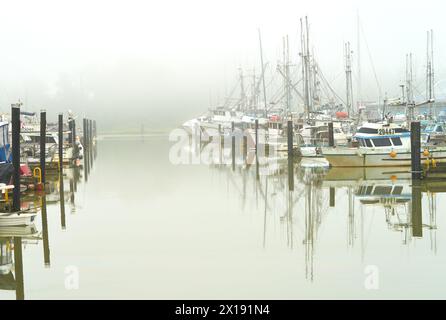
380, 142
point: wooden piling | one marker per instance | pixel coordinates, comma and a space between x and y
331, 141
256, 133
43, 145
60, 143
290, 138
290, 156
415, 144
417, 209
15, 119
233, 145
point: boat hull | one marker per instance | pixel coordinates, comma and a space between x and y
354, 158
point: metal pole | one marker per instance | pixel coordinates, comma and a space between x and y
15, 115
43, 144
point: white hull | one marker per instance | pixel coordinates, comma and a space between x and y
355, 157
14, 219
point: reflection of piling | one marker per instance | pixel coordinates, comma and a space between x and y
61, 187
332, 197
257, 133
43, 144
245, 146
290, 156
46, 245
73, 141
15, 115
417, 209
330, 135
415, 144
18, 268
233, 145
62, 202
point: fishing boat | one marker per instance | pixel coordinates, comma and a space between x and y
380, 145
8, 219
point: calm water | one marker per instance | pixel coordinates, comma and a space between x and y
143, 228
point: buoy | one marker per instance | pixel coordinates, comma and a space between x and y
393, 178
434, 163
426, 153
393, 154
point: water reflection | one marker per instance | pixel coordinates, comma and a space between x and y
300, 199
15, 239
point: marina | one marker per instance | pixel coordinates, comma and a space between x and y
239, 151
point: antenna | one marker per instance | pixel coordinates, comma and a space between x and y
358, 58
263, 74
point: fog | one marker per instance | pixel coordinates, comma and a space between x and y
158, 63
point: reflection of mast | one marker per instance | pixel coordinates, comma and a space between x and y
433, 220
308, 241
351, 219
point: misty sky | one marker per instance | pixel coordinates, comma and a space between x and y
158, 63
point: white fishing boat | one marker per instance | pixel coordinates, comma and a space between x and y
380, 145
16, 219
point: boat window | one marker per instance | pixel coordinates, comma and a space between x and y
439, 129
382, 142
368, 130
369, 190
382, 190
401, 130
2, 137
397, 142
368, 143
397, 190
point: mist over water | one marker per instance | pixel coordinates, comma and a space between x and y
157, 64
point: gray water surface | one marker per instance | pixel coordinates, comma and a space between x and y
141, 227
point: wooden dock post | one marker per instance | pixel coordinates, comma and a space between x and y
73, 140
233, 145
85, 135
415, 144
60, 143
290, 156
70, 129
417, 209
290, 138
257, 133
331, 142
15, 119
43, 145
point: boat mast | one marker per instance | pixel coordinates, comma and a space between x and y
242, 92
263, 75
348, 74
430, 71
409, 89
305, 55
358, 58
